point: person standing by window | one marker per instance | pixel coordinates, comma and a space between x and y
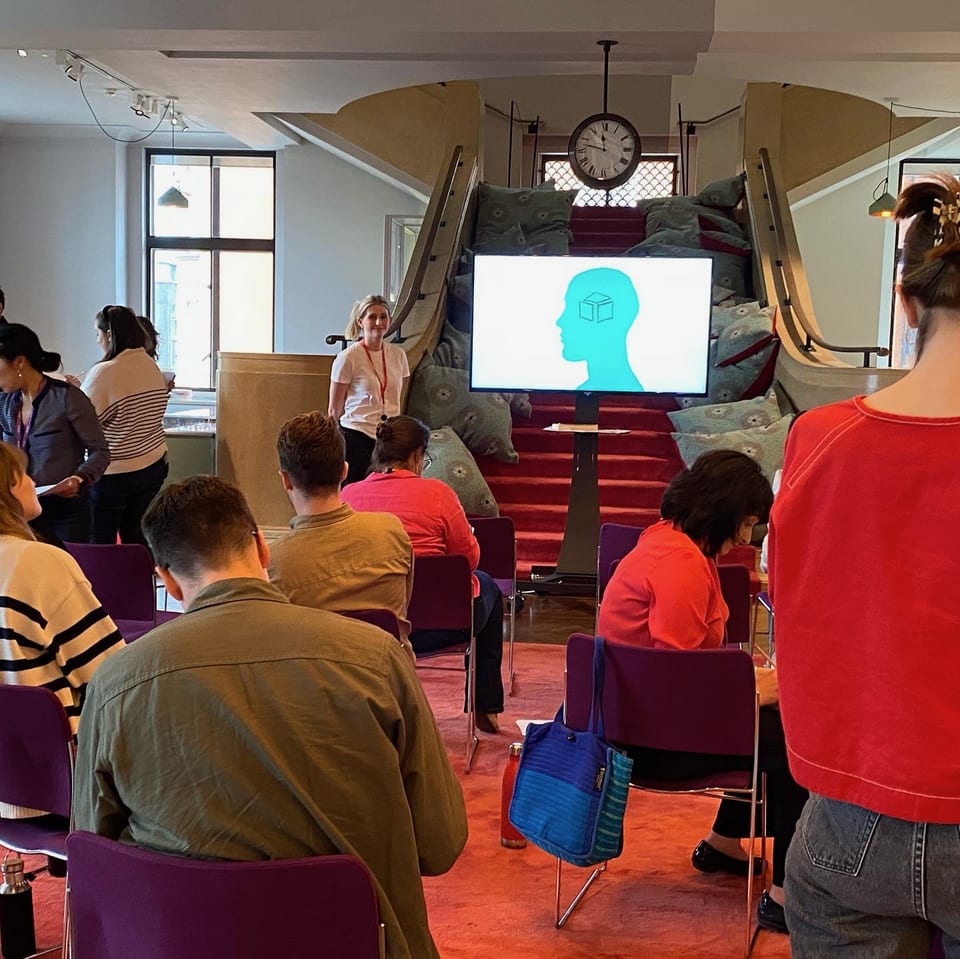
129, 394
366, 382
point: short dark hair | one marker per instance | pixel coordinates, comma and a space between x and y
151, 338
201, 523
397, 439
712, 498
312, 451
124, 328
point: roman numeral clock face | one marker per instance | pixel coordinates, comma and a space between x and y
604, 150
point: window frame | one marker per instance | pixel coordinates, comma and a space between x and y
210, 244
544, 158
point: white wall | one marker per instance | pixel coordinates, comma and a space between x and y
61, 239
330, 219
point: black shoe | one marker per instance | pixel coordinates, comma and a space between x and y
707, 859
487, 723
770, 914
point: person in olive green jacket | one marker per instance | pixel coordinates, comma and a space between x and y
249, 728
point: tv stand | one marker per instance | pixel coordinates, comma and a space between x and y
576, 570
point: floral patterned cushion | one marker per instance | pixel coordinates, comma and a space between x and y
724, 316
453, 463
744, 414
727, 384
725, 194
532, 209
440, 396
764, 444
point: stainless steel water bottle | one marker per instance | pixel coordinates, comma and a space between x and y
17, 937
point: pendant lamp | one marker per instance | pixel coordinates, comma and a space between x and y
173, 197
883, 203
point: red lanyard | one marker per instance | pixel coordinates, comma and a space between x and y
384, 381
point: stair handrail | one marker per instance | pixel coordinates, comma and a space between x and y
410, 290
785, 281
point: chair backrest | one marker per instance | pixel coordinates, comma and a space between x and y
36, 750
121, 575
127, 901
442, 593
384, 618
735, 587
616, 540
700, 700
498, 546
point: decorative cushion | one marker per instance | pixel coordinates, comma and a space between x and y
460, 302
453, 350
440, 396
688, 237
681, 213
725, 194
453, 463
727, 384
745, 336
724, 242
719, 295
764, 444
510, 241
723, 316
551, 241
531, 209
519, 404
745, 414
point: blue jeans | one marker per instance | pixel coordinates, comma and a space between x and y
870, 886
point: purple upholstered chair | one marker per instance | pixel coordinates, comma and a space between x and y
121, 576
498, 559
36, 771
700, 701
382, 618
616, 540
442, 599
735, 587
128, 902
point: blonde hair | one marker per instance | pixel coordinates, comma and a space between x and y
13, 465
353, 331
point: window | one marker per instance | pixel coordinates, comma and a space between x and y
210, 257
400, 237
656, 176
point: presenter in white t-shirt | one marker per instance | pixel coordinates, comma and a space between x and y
366, 382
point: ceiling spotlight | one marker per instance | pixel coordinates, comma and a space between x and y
139, 102
74, 70
21, 52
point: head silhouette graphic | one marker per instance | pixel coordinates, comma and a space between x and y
599, 309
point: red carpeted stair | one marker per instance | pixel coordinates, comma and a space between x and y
633, 470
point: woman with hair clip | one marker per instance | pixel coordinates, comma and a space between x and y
129, 394
55, 424
864, 569
665, 593
53, 631
437, 526
366, 382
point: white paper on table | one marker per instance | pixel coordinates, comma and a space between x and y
522, 724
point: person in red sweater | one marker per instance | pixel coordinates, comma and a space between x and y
666, 593
863, 576
437, 526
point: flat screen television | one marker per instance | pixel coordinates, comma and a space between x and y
591, 324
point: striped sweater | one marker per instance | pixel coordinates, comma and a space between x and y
130, 397
53, 630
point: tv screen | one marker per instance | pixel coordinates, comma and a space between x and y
591, 324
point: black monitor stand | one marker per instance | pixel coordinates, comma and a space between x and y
576, 570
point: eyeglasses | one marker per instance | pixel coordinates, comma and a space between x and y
427, 460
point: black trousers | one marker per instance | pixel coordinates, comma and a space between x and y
785, 798
119, 500
359, 450
63, 519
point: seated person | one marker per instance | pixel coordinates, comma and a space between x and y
54, 631
437, 526
335, 558
666, 593
249, 728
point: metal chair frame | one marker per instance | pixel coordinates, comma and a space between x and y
618, 688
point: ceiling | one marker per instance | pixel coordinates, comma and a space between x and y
231, 63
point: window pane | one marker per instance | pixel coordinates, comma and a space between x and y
181, 313
191, 176
246, 302
654, 177
246, 197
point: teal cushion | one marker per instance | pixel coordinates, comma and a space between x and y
510, 241
453, 463
440, 396
745, 336
723, 316
744, 414
453, 350
727, 384
725, 194
532, 209
764, 444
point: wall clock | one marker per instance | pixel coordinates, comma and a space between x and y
604, 149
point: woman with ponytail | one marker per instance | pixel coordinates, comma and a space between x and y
55, 424
864, 567
437, 526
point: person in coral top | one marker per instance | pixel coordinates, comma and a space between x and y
666, 593
864, 567
437, 526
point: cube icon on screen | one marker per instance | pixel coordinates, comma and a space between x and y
596, 308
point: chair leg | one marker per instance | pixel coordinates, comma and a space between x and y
511, 675
473, 741
560, 919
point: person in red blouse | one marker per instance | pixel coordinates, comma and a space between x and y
437, 526
666, 593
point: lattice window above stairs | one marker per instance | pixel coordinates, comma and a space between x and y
656, 176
